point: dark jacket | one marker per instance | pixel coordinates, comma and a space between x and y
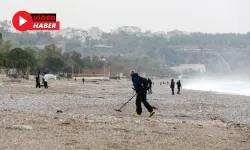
137, 83
178, 84
172, 85
38, 77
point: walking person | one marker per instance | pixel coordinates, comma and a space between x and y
45, 80
172, 86
38, 85
83, 80
141, 91
179, 86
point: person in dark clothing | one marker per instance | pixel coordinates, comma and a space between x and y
38, 80
172, 86
141, 94
83, 80
179, 86
150, 86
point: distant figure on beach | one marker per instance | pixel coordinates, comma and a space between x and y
140, 85
83, 80
179, 86
150, 86
38, 80
75, 79
167, 83
160, 83
45, 80
172, 86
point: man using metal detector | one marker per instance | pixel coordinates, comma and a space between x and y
141, 86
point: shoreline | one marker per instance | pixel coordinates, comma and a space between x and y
216, 92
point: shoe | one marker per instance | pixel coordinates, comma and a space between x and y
136, 115
152, 113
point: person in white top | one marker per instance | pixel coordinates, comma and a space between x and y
46, 78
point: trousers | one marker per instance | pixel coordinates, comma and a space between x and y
172, 91
179, 89
45, 84
38, 84
142, 98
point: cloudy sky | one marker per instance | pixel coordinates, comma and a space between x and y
209, 16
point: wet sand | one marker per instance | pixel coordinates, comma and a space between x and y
70, 115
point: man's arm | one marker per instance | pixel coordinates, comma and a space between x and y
135, 84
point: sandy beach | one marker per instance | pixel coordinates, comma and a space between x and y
70, 115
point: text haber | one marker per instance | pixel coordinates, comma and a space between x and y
44, 25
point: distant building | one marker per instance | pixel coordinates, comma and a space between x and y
196, 67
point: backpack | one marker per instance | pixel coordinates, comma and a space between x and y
144, 82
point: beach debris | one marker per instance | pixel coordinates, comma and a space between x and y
64, 122
183, 116
184, 121
200, 110
22, 127
90, 121
213, 118
100, 97
59, 111
200, 125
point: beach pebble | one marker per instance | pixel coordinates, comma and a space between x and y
22, 127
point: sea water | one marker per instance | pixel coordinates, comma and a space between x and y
230, 87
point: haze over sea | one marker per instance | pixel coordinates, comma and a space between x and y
229, 87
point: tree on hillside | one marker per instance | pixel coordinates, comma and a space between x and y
54, 64
31, 51
53, 51
5, 46
26, 38
21, 59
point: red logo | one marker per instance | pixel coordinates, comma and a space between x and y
24, 21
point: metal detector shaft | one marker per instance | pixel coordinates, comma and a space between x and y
127, 102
